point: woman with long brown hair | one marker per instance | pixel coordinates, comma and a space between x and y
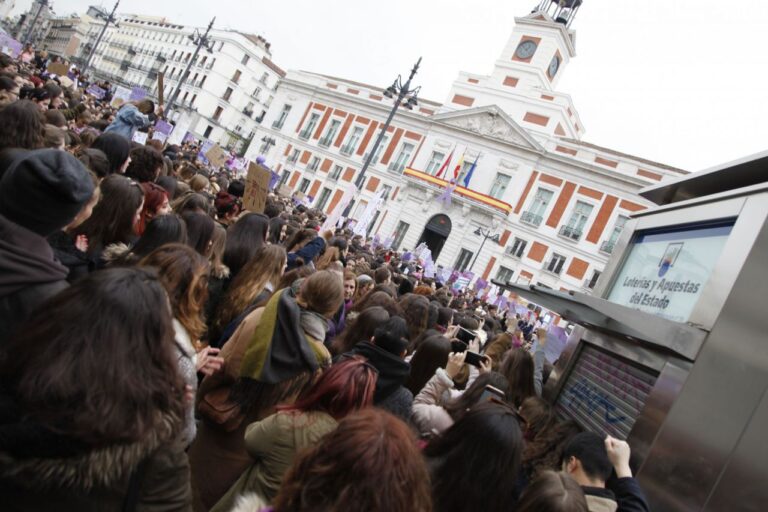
184, 273
518, 368
359, 329
250, 288
274, 441
93, 398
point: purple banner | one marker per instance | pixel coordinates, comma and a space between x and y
10, 46
137, 94
163, 127
96, 91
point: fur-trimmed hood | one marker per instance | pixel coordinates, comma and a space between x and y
37, 458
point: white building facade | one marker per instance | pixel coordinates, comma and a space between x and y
556, 203
229, 87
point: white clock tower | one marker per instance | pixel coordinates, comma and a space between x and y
524, 77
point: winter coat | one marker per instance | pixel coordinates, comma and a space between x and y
218, 456
429, 416
69, 255
43, 470
187, 360
29, 275
599, 499
273, 444
390, 394
127, 121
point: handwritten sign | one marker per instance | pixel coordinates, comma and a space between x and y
10, 46
666, 272
140, 137
604, 393
256, 188
58, 68
216, 156
121, 96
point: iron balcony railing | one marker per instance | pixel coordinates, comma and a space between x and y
571, 233
531, 218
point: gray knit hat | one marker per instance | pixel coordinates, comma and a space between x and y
44, 190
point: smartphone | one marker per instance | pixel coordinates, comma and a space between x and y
465, 335
472, 358
491, 393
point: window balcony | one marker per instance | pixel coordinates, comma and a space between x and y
395, 167
324, 142
277, 125
347, 149
553, 267
531, 218
571, 233
607, 246
304, 135
374, 160
248, 113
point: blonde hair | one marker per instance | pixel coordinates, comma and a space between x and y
198, 183
322, 292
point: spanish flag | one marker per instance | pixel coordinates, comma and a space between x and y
459, 165
444, 166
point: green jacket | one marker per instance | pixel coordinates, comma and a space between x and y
273, 444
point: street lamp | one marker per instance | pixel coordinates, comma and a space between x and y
268, 141
486, 234
202, 41
403, 95
108, 18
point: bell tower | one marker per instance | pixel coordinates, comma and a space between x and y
525, 76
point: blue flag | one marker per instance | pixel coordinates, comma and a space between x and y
470, 172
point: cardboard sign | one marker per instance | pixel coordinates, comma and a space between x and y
66, 82
216, 156
256, 188
58, 68
160, 136
121, 96
140, 137
284, 191
96, 91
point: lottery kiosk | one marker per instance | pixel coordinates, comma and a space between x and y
671, 351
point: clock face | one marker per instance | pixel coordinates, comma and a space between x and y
525, 50
553, 66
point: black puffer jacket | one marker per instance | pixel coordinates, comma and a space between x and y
29, 275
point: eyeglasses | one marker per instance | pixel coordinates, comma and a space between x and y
360, 359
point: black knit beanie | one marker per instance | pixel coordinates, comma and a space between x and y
44, 190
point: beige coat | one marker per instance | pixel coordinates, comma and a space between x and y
429, 416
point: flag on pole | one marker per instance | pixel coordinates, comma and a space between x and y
445, 166
457, 170
470, 172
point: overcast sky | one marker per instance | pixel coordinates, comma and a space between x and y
681, 82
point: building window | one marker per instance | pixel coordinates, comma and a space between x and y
264, 77
280, 121
256, 93
351, 144
236, 76
307, 131
227, 94
465, 166
323, 199
385, 191
336, 173
379, 149
435, 162
314, 163
592, 282
245, 60
207, 132
265, 146
504, 274
294, 156
402, 158
330, 133
579, 217
500, 184
517, 248
304, 185
618, 227
555, 264
462, 262
217, 113
402, 229
538, 208
284, 178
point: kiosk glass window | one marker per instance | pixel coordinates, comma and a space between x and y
665, 270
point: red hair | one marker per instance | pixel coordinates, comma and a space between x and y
154, 197
345, 387
369, 462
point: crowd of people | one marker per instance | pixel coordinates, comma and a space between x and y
163, 349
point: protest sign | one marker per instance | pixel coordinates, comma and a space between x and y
58, 68
284, 191
137, 94
96, 91
256, 188
10, 46
140, 137
159, 136
216, 156
163, 127
120, 96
